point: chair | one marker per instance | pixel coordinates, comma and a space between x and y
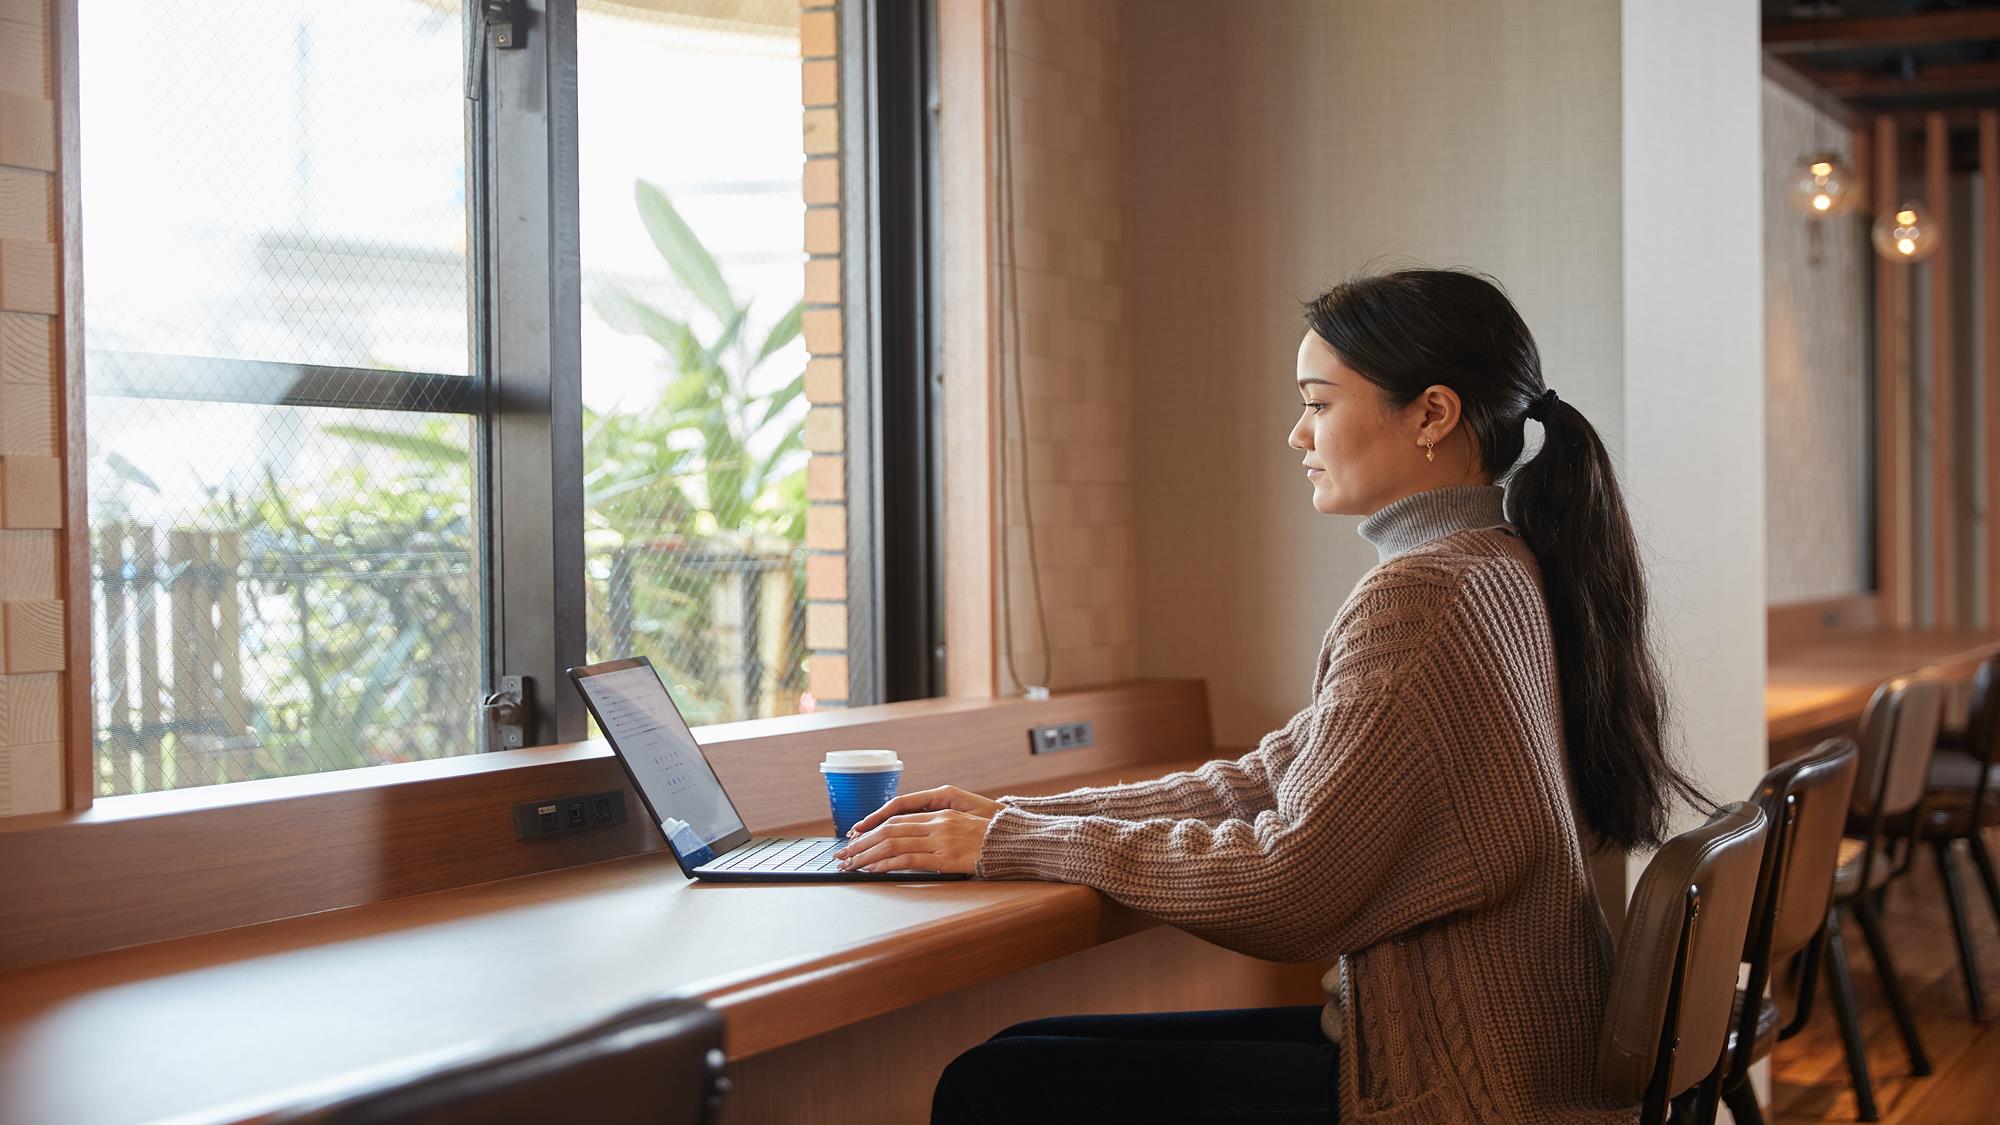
1898, 733
1666, 1020
660, 1063
1960, 801
1805, 803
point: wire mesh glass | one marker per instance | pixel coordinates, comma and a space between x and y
284, 551
691, 171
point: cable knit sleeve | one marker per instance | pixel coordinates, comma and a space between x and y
1224, 788
1359, 843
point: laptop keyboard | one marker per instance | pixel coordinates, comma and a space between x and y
783, 853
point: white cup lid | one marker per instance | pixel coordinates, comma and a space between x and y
860, 761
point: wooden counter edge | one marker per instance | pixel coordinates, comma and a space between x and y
816, 995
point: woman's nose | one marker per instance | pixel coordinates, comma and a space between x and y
1296, 439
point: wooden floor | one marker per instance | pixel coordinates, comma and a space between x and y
1809, 1072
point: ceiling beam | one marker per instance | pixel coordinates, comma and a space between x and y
1939, 78
1787, 74
1796, 36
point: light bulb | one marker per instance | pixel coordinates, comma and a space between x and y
1822, 186
1907, 233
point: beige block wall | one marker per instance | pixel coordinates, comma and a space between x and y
1816, 371
1066, 68
1280, 147
32, 656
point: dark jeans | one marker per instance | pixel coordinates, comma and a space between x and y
1272, 1066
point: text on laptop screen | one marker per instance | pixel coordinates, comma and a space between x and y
633, 707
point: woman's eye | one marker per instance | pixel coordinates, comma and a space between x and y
1315, 407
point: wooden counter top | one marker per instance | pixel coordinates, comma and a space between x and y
1817, 686
226, 1026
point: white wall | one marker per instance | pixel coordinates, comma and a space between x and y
1693, 373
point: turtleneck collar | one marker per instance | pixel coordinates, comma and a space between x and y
1421, 517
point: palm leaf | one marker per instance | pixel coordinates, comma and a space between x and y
777, 400
685, 255
682, 345
784, 332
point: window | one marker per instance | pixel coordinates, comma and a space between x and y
284, 516
693, 268
415, 361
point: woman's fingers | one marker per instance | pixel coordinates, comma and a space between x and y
924, 800
907, 824
943, 840
924, 861
893, 839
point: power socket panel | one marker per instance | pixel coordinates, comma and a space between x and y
1061, 736
560, 816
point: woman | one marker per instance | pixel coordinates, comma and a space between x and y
1484, 713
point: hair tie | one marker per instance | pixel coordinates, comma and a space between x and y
1538, 408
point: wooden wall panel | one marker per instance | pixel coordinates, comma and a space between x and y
1944, 491
1892, 390
966, 213
25, 66
1989, 355
27, 132
33, 415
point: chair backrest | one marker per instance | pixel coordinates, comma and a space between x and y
1805, 812
659, 1063
1806, 800
1674, 980
1898, 732
1982, 725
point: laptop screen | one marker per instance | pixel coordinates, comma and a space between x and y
666, 763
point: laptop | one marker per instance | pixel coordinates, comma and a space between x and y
686, 799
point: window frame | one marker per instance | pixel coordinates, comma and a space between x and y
525, 386
895, 391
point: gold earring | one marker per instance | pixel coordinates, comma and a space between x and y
1430, 450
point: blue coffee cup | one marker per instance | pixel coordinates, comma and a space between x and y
858, 782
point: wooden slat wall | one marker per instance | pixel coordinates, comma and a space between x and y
1944, 503
1989, 358
33, 416
1892, 388
967, 207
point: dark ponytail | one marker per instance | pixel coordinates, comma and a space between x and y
1413, 329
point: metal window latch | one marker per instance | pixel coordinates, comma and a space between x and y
505, 23
508, 713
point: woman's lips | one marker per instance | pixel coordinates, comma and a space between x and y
1314, 472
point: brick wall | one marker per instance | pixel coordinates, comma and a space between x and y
825, 388
31, 418
1066, 70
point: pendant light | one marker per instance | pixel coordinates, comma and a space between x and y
1907, 232
1823, 186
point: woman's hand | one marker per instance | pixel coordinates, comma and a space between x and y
938, 829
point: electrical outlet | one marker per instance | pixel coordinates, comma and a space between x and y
1061, 736
563, 815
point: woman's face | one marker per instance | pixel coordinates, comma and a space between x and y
1359, 454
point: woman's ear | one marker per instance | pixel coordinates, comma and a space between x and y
1437, 412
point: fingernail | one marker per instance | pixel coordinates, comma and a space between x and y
853, 832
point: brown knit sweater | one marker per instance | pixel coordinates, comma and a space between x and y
1414, 820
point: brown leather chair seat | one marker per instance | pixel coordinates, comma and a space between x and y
1848, 865
1958, 770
